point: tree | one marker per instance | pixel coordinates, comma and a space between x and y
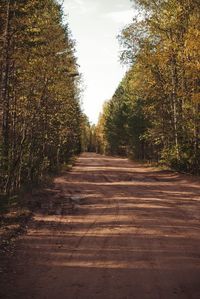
161, 90
41, 114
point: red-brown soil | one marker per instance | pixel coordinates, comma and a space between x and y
110, 229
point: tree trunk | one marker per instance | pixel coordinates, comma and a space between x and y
5, 89
174, 103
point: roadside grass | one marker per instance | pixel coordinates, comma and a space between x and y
16, 210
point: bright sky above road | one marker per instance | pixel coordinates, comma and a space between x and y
95, 25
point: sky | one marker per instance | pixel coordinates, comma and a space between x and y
95, 25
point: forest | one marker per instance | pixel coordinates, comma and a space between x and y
154, 114
40, 112
105, 210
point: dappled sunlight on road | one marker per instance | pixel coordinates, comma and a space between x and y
108, 231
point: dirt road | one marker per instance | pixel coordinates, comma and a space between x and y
110, 229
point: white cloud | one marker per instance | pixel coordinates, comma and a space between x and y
81, 7
122, 17
121, 6
79, 2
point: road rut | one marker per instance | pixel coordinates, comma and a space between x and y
110, 229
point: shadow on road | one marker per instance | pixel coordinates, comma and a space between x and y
134, 233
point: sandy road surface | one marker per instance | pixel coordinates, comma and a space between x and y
111, 229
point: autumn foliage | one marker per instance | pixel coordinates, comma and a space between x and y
155, 112
39, 102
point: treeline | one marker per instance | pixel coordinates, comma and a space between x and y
155, 112
88, 136
40, 115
